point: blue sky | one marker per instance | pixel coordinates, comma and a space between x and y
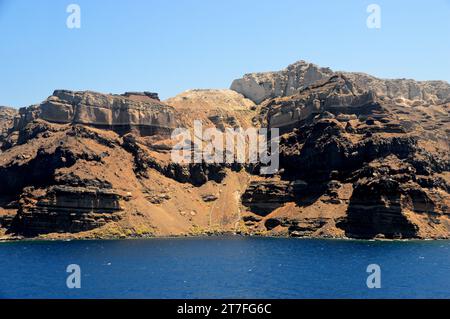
171, 46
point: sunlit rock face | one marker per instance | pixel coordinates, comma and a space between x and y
142, 113
261, 86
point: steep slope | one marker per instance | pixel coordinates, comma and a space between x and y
359, 157
355, 163
138, 112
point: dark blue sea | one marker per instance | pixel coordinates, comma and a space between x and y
225, 268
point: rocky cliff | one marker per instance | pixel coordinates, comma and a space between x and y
298, 76
360, 157
7, 116
141, 112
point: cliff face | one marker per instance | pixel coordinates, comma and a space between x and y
219, 108
7, 115
359, 157
142, 113
298, 76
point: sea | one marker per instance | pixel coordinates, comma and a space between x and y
228, 267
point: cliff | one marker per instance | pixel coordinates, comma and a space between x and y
7, 116
360, 157
133, 111
261, 86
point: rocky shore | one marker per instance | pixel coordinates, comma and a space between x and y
360, 157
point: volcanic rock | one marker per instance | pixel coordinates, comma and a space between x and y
7, 116
120, 113
298, 76
359, 157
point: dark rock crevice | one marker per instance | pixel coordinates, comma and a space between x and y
38, 172
375, 209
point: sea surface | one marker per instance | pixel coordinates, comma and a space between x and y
225, 268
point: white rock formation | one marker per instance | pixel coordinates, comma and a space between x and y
297, 76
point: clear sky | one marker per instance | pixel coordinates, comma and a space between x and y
169, 46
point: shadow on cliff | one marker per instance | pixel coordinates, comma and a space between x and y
37, 172
375, 211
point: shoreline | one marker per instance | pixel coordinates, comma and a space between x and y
218, 236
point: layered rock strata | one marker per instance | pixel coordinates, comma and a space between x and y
360, 157
142, 113
298, 76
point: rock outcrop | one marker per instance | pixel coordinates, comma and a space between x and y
142, 113
7, 116
218, 108
327, 98
298, 76
261, 86
65, 209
